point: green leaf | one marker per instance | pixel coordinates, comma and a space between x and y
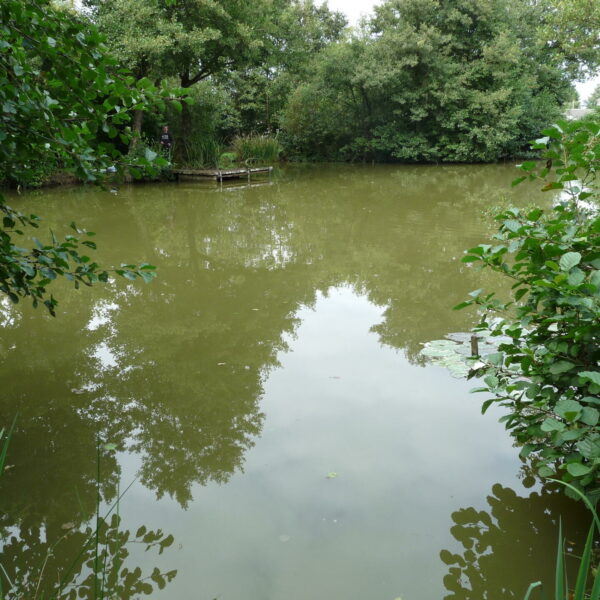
593, 376
561, 366
512, 225
545, 471
590, 415
590, 446
578, 470
569, 260
568, 409
526, 450
551, 424
491, 381
576, 277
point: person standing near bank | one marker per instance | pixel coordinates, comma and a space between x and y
166, 139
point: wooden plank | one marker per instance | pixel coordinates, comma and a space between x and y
221, 173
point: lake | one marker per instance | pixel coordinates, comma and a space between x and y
265, 399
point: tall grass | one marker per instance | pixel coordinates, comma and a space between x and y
561, 582
202, 151
256, 148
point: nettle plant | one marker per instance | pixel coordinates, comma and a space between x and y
546, 370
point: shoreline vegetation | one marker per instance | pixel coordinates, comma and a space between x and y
85, 92
416, 82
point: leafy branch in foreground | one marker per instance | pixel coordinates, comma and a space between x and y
27, 272
546, 370
65, 101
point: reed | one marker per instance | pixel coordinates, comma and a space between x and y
584, 571
202, 151
257, 148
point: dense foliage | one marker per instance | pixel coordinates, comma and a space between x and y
64, 102
547, 368
419, 81
245, 58
431, 80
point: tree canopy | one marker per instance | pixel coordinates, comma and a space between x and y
430, 80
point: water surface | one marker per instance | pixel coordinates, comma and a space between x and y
268, 394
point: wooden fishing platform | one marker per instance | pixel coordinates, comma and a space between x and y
221, 174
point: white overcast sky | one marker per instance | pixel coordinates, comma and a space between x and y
354, 9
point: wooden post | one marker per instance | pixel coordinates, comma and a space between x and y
474, 345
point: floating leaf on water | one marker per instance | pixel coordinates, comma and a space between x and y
221, 364
67, 526
331, 475
110, 446
454, 353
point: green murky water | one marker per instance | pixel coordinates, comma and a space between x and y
267, 392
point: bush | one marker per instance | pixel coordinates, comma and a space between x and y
546, 372
227, 160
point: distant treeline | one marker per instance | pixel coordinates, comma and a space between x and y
418, 81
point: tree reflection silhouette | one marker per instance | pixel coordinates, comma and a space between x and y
174, 371
62, 568
516, 533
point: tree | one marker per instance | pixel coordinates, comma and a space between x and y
432, 80
140, 36
594, 100
64, 99
572, 29
190, 40
301, 30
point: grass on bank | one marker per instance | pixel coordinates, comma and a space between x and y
257, 148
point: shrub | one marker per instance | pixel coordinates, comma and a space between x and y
546, 372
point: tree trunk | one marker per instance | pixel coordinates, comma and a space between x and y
186, 127
138, 119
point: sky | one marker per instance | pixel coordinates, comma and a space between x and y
354, 9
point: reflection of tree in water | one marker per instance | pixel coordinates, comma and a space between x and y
521, 532
174, 371
80, 565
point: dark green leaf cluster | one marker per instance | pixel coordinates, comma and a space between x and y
61, 95
547, 368
63, 100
